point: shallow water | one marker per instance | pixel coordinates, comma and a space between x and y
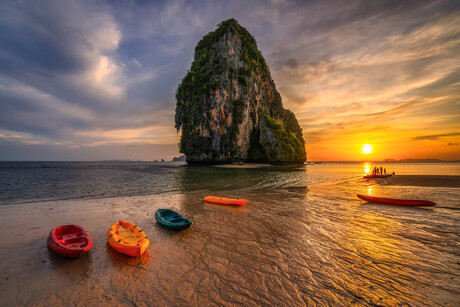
290, 245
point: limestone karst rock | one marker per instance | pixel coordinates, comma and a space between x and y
228, 107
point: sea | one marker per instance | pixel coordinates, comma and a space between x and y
43, 181
303, 239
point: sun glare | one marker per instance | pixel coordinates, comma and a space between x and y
367, 149
367, 168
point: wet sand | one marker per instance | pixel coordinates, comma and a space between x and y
296, 247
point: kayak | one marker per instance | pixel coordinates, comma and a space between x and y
69, 240
225, 200
172, 220
127, 238
376, 176
393, 201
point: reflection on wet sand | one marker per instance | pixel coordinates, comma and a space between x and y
377, 256
119, 259
227, 208
70, 268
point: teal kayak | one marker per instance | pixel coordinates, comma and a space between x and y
172, 220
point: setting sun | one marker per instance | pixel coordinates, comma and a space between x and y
367, 149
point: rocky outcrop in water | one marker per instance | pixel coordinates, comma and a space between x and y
228, 107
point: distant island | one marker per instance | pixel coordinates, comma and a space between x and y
228, 108
419, 161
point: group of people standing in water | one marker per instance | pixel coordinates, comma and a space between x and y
379, 171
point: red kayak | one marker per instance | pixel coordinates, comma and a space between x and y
376, 176
393, 201
70, 240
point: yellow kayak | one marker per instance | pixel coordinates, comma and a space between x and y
127, 238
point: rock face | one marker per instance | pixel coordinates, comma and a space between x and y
228, 107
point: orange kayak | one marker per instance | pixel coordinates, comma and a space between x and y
225, 200
127, 238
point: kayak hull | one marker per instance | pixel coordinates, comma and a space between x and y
393, 201
69, 240
127, 238
225, 200
172, 220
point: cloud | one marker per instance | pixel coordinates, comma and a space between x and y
390, 63
94, 74
11, 151
60, 68
434, 136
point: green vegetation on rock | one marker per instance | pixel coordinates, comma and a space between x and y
287, 142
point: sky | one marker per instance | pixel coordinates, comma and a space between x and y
96, 80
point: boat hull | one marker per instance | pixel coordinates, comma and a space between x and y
393, 201
172, 220
70, 241
225, 200
377, 176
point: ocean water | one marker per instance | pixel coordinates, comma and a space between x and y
41, 181
303, 239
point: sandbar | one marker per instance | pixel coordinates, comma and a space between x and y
444, 181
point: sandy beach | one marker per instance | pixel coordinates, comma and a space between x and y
293, 246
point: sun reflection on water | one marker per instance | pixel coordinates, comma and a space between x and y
367, 168
370, 190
